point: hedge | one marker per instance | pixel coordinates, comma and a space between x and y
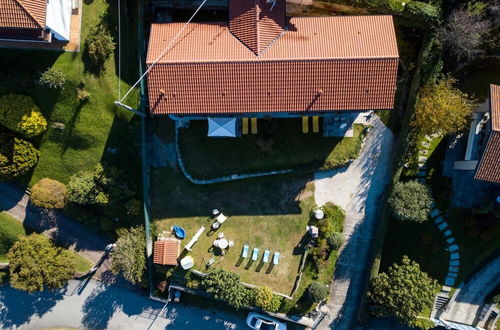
17, 156
20, 114
49, 194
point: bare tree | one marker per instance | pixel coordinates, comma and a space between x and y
464, 34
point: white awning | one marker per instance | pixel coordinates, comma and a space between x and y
221, 127
59, 18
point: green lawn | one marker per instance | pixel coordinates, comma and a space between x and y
90, 127
11, 229
279, 144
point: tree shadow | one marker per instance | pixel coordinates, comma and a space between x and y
18, 307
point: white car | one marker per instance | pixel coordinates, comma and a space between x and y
263, 322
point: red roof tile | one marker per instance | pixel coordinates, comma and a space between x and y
319, 64
166, 252
23, 14
489, 166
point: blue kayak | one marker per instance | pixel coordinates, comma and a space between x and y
179, 232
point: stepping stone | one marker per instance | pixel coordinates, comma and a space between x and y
455, 256
443, 226
450, 240
449, 281
453, 248
435, 213
423, 152
438, 220
446, 289
422, 159
425, 144
454, 275
452, 269
428, 138
447, 233
455, 263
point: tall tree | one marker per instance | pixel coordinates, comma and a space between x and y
442, 108
403, 292
129, 255
35, 263
225, 285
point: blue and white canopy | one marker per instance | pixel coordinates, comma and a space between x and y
221, 127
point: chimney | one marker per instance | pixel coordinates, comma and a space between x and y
257, 23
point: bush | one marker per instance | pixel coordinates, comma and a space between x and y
82, 95
266, 299
129, 255
335, 240
423, 13
17, 156
411, 201
49, 194
316, 292
20, 114
99, 46
225, 285
52, 78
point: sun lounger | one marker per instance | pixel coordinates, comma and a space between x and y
276, 258
266, 256
244, 126
193, 240
244, 252
255, 254
315, 124
253, 121
305, 125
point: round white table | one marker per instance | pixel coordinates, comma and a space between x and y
223, 243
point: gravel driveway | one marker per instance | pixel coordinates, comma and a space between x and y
357, 189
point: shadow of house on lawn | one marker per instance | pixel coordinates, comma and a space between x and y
18, 307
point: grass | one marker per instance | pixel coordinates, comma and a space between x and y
265, 213
91, 127
280, 144
11, 229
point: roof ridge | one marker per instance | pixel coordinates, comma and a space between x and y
19, 2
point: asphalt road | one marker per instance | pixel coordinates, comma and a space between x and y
90, 305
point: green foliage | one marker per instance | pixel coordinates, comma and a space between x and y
422, 13
3, 276
316, 292
266, 300
53, 78
100, 187
225, 285
129, 255
442, 108
335, 240
17, 156
335, 216
49, 194
410, 201
20, 114
403, 293
99, 46
82, 94
36, 263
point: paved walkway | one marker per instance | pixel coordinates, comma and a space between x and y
464, 307
64, 230
90, 305
357, 190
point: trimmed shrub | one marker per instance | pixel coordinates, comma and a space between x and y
410, 201
316, 292
17, 156
225, 285
335, 240
52, 78
266, 299
49, 194
99, 46
20, 114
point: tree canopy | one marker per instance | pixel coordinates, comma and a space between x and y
225, 285
403, 292
442, 108
410, 201
129, 255
17, 156
49, 194
36, 263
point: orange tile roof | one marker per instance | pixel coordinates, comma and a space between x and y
23, 14
166, 252
319, 64
489, 166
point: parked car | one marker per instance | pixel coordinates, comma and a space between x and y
264, 322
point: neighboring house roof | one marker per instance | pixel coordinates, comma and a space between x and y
489, 166
318, 64
166, 252
23, 14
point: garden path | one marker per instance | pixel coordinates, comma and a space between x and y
357, 189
